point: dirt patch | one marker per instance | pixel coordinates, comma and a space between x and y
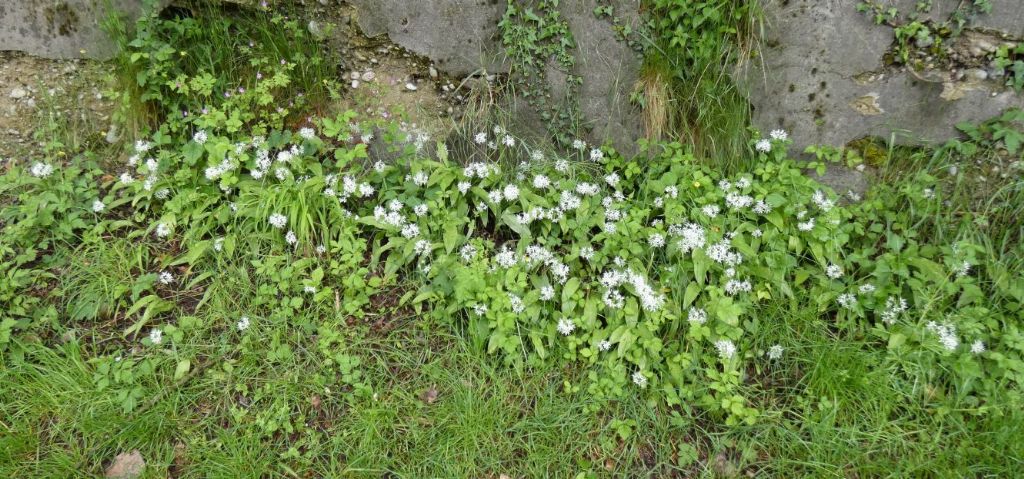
35, 92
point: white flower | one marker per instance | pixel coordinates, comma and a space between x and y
596, 154
697, 316
200, 137
126, 178
566, 326
733, 287
893, 307
656, 240
517, 303
978, 347
726, 349
762, 208
711, 211
163, 230
156, 336
537, 155
737, 201
963, 269
540, 182
846, 300
421, 247
586, 252
41, 170
604, 345
757, 233
834, 271
743, 183
639, 379
420, 209
480, 138
780, 135
763, 146
309, 289
672, 192
243, 323
162, 193
278, 220
467, 252
509, 140
806, 226
562, 166
410, 230
578, 144
98, 206
612, 179
822, 201
464, 186
480, 309
511, 192
166, 277
547, 293
307, 133
946, 333
775, 352
218, 244
290, 238
420, 178
866, 288
142, 146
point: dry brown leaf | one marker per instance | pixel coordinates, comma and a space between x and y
430, 395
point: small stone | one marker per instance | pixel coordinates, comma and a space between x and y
353, 75
315, 30
355, 84
369, 75
977, 74
18, 93
112, 134
126, 466
411, 86
433, 72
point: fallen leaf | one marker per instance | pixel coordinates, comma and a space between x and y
127, 465
315, 401
430, 395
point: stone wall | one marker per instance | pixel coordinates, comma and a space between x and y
822, 75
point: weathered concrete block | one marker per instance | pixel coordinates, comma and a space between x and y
822, 77
62, 28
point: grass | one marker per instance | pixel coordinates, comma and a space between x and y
278, 401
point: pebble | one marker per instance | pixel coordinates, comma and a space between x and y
411, 86
18, 93
369, 75
433, 72
355, 84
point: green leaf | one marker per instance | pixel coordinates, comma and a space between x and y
182, 369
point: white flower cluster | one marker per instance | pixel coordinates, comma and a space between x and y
726, 348
893, 308
691, 236
41, 170
650, 300
946, 333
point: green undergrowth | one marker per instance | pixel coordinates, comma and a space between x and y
686, 88
247, 294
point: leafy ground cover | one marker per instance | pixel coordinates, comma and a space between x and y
248, 290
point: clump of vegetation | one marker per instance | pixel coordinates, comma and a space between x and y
686, 44
537, 38
248, 292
